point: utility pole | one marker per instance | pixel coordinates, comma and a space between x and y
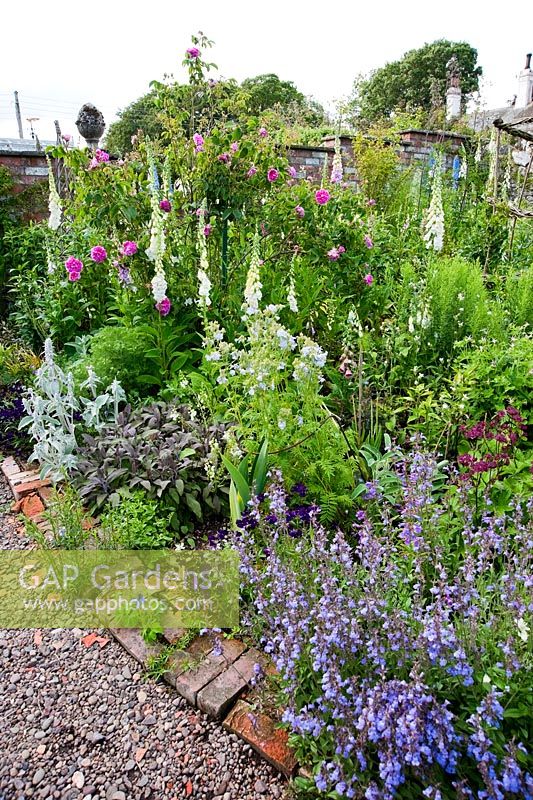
19, 118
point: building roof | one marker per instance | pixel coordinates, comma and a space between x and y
24, 146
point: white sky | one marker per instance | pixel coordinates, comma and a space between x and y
62, 55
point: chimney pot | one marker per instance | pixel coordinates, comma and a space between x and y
528, 60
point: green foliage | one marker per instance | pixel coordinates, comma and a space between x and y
406, 84
519, 299
68, 523
141, 115
495, 375
115, 353
377, 163
458, 306
269, 92
136, 524
246, 480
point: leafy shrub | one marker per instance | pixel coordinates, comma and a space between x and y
459, 306
519, 289
136, 524
115, 353
161, 449
495, 375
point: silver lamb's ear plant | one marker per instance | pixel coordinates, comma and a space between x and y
53, 410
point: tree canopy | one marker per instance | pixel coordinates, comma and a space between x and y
223, 99
413, 81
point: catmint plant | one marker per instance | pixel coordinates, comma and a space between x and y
403, 647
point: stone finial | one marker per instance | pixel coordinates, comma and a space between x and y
453, 73
90, 124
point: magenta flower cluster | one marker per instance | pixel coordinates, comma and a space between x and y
272, 175
164, 306
322, 196
98, 254
192, 52
129, 248
74, 268
165, 205
199, 142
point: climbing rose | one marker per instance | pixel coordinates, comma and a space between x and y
129, 248
292, 172
164, 205
368, 241
251, 172
322, 196
163, 306
333, 254
370, 202
234, 146
192, 52
98, 253
272, 175
300, 212
101, 156
263, 132
207, 229
224, 158
369, 279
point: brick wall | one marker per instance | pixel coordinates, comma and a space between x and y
25, 167
415, 148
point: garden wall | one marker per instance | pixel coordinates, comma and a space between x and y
25, 163
415, 147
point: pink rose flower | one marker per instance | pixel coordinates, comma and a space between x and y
101, 156
292, 172
192, 52
98, 254
371, 202
224, 158
93, 163
368, 241
207, 230
272, 175
263, 132
322, 196
234, 146
129, 248
164, 306
300, 212
341, 249
333, 254
251, 172
369, 279
74, 267
164, 205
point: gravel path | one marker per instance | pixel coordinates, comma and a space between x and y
78, 722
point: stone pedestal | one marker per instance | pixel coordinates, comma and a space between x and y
453, 103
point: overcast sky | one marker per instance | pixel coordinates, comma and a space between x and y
59, 56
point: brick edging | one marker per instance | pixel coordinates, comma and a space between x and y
217, 680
